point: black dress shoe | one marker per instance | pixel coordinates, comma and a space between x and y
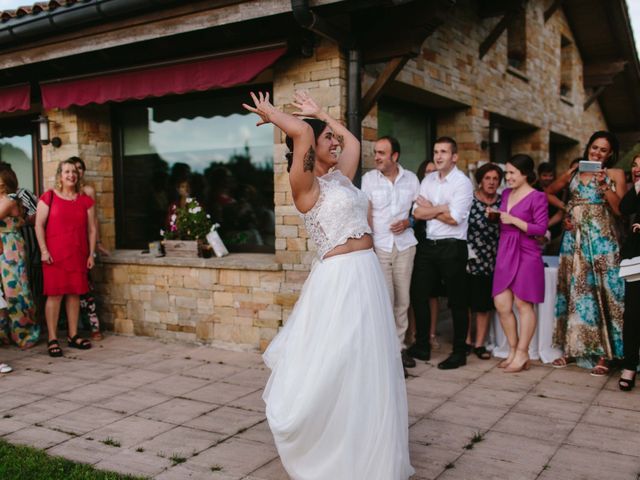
419, 353
454, 360
407, 360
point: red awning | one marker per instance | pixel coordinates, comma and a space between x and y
14, 98
158, 81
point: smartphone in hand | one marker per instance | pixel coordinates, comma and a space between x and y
586, 166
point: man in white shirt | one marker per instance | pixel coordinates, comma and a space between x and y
445, 201
392, 190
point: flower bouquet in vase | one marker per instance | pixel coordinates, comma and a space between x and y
188, 228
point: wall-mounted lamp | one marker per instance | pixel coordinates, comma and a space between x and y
494, 137
43, 127
494, 134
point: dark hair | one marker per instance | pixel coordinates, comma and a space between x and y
450, 141
486, 168
393, 141
422, 169
9, 179
524, 163
78, 160
613, 143
575, 161
545, 167
317, 126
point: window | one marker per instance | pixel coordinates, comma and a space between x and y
566, 80
17, 149
414, 127
204, 146
517, 41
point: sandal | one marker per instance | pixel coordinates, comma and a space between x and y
627, 384
53, 347
601, 369
79, 343
563, 362
4, 368
482, 353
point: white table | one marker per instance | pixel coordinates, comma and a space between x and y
541, 347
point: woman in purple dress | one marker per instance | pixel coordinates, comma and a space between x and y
519, 272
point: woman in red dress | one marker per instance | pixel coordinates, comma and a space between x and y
65, 227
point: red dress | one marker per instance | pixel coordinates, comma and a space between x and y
68, 244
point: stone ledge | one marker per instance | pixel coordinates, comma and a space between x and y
234, 261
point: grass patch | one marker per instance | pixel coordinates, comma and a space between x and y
7, 415
139, 449
176, 459
216, 468
21, 463
111, 442
449, 465
477, 437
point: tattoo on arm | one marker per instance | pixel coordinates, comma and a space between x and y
309, 160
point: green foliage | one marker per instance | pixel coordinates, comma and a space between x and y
190, 222
626, 159
26, 463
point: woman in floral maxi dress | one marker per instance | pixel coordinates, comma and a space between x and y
17, 321
590, 301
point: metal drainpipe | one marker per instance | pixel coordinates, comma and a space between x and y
312, 22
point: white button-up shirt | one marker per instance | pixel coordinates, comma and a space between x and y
390, 203
454, 190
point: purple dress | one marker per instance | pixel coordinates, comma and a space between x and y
519, 265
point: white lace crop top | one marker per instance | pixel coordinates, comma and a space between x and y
339, 214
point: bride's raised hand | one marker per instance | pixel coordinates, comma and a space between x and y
307, 107
263, 107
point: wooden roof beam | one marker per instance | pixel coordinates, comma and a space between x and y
388, 74
597, 74
594, 96
498, 30
553, 8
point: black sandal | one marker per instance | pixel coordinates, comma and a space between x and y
79, 343
627, 384
53, 347
482, 353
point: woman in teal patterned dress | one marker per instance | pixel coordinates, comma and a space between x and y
590, 301
17, 322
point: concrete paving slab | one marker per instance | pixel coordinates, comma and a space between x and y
220, 393
134, 463
83, 420
226, 420
234, 456
258, 433
176, 411
252, 402
252, 377
618, 399
419, 406
133, 378
478, 395
175, 385
271, 471
460, 413
430, 431
213, 371
613, 417
130, 431
554, 408
90, 394
37, 437
176, 365
430, 461
181, 441
533, 426
571, 462
134, 401
82, 450
606, 439
10, 425
181, 472
11, 400
55, 384
43, 410
434, 388
565, 391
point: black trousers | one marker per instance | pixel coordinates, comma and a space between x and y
631, 326
440, 261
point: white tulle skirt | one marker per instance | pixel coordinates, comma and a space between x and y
336, 399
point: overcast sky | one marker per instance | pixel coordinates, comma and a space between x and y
633, 5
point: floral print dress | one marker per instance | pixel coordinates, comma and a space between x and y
17, 321
590, 301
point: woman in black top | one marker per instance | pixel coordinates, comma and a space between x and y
630, 205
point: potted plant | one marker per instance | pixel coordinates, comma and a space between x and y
188, 228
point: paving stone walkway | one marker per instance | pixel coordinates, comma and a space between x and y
173, 411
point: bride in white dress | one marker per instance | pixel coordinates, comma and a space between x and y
336, 400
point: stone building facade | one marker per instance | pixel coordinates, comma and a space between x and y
536, 101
